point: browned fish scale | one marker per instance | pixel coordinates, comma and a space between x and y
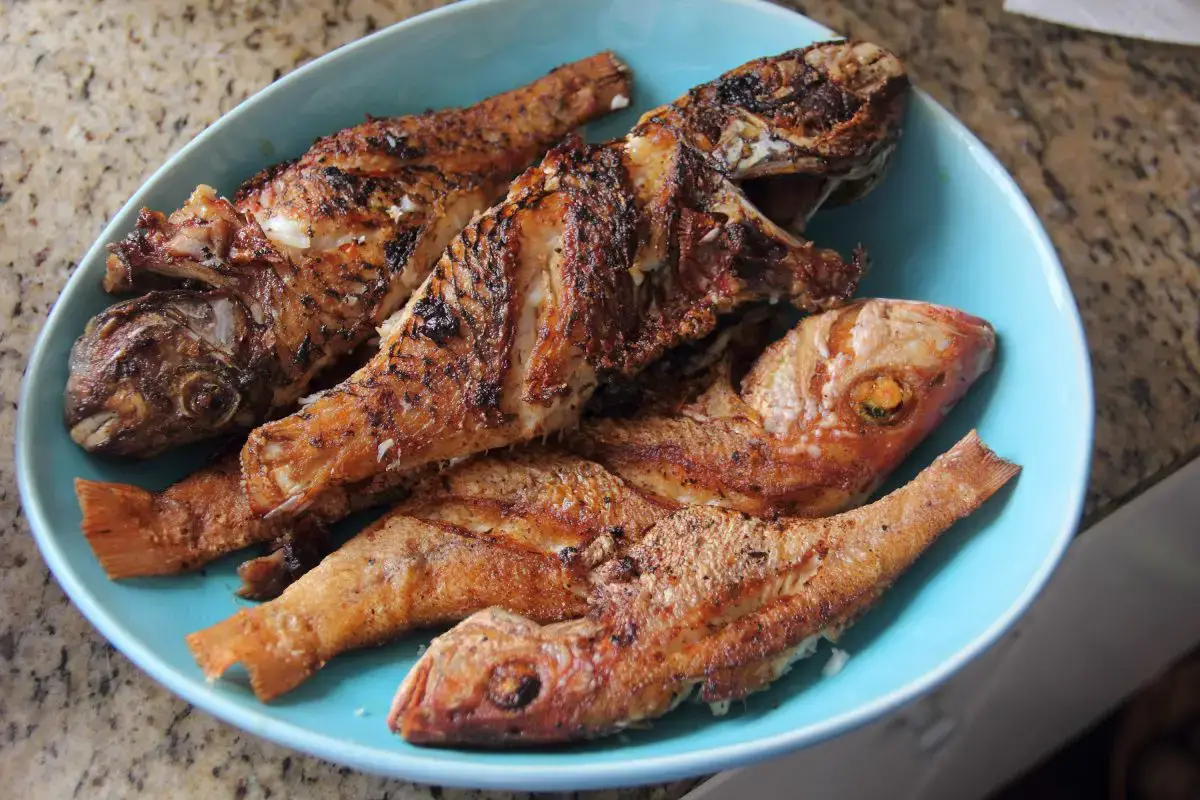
565, 514
302, 265
597, 262
517, 530
797, 439
820, 421
814, 124
707, 593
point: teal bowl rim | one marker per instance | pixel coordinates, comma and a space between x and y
565, 776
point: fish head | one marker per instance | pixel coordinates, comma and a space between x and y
158, 370
832, 109
875, 376
498, 677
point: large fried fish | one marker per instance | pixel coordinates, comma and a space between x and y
309, 258
538, 516
710, 598
597, 262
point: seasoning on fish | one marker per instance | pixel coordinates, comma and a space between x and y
816, 126
564, 513
822, 418
597, 262
518, 530
134, 532
305, 262
794, 441
707, 592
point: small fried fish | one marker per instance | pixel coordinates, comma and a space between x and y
599, 260
303, 265
517, 529
707, 592
540, 503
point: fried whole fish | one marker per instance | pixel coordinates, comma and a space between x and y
597, 262
303, 265
517, 529
822, 417
708, 592
560, 512
797, 440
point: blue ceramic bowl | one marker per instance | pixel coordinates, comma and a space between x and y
948, 225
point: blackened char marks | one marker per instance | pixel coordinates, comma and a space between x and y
487, 395
823, 103
348, 187
394, 146
437, 320
747, 91
814, 99
400, 249
599, 242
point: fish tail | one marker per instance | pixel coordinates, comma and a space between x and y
977, 465
120, 522
278, 652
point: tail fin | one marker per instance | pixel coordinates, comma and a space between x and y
977, 466
121, 523
278, 650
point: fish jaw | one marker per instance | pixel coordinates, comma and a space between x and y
159, 370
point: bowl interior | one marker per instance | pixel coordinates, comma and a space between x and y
946, 226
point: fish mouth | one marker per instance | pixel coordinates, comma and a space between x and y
94, 432
404, 717
109, 424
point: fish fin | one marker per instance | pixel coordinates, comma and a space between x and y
120, 524
278, 657
978, 466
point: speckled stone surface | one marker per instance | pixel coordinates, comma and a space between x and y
1099, 132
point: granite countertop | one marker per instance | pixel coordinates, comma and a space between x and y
1098, 131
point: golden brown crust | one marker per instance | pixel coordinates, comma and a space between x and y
397, 575
516, 530
310, 257
714, 448
707, 593
598, 261
798, 439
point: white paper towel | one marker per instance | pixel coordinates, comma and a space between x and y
1176, 21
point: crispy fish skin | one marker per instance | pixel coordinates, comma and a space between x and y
829, 113
306, 261
823, 416
597, 262
551, 504
134, 532
792, 442
517, 530
706, 592
399, 574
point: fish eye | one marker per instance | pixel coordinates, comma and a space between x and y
204, 397
880, 399
514, 685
